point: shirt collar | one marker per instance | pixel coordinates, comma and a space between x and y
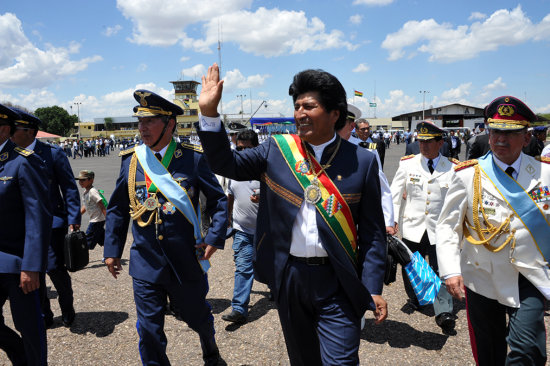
3, 144
516, 164
163, 151
318, 149
32, 145
434, 160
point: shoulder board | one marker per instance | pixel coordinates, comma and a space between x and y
465, 164
197, 148
127, 151
372, 145
407, 157
543, 159
23, 152
454, 161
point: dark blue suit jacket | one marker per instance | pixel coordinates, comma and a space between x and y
64, 196
24, 212
153, 260
354, 172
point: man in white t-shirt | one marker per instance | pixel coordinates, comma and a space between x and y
243, 199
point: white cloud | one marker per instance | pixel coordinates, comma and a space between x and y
361, 68
495, 85
142, 68
356, 19
25, 66
457, 93
235, 80
195, 72
373, 2
271, 32
476, 15
447, 44
111, 31
185, 58
267, 32
162, 22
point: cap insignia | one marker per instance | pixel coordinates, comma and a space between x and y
506, 110
142, 96
423, 130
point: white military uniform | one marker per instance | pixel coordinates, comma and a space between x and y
493, 274
425, 195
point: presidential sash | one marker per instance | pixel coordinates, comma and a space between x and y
163, 181
331, 205
521, 203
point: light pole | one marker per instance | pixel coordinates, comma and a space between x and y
242, 109
78, 115
423, 101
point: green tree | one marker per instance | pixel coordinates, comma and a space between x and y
56, 120
108, 123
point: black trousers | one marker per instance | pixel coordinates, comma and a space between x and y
525, 333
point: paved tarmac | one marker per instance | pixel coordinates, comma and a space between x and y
104, 331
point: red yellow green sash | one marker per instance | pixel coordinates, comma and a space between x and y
332, 206
151, 188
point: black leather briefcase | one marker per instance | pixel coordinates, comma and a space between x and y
76, 251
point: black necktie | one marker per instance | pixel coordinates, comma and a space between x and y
510, 171
431, 165
158, 156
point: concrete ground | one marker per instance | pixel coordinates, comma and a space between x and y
104, 331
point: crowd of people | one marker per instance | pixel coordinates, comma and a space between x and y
309, 214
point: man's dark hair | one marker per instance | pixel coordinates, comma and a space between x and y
332, 94
248, 135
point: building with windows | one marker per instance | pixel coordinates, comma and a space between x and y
449, 116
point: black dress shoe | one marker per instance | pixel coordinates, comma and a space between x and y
68, 318
446, 321
48, 322
234, 317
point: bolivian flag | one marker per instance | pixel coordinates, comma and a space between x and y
358, 94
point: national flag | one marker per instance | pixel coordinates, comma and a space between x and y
372, 105
358, 93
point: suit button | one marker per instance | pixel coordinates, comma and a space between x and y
429, 192
545, 206
427, 202
512, 260
160, 237
476, 263
426, 212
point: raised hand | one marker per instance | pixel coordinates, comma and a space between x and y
211, 92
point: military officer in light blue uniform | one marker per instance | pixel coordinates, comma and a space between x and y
24, 234
65, 206
168, 256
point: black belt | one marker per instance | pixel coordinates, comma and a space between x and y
310, 261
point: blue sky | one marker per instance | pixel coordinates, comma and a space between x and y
97, 52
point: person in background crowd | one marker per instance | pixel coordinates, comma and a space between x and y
169, 256
480, 144
65, 206
425, 178
454, 144
24, 238
363, 132
492, 241
243, 199
322, 282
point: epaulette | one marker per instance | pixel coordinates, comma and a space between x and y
197, 148
543, 159
127, 151
23, 152
465, 164
454, 161
407, 157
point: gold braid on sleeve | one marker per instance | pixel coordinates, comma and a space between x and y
492, 231
136, 208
